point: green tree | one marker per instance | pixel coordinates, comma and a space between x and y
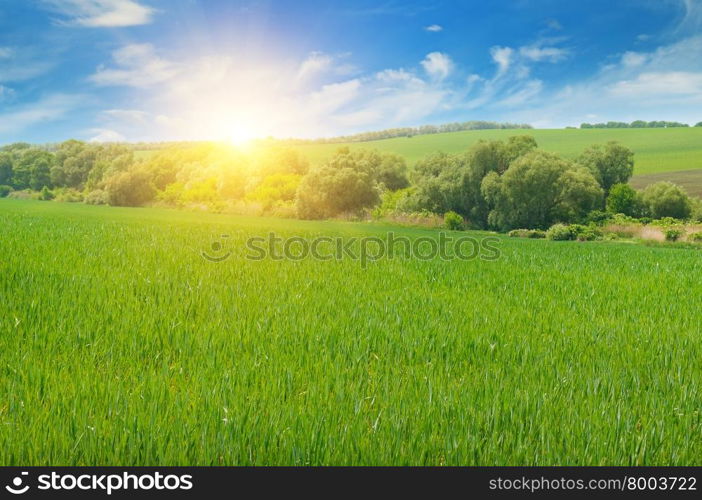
5, 168
610, 164
130, 189
665, 199
453, 182
32, 169
345, 184
537, 190
392, 172
623, 199
74, 161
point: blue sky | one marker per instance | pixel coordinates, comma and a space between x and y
110, 70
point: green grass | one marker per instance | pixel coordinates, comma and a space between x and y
657, 150
120, 345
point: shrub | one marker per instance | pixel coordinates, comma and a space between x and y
454, 221
97, 197
24, 194
587, 235
610, 237
598, 217
68, 195
560, 232
4, 191
673, 234
695, 237
527, 233
46, 194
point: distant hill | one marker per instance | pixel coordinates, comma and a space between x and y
658, 150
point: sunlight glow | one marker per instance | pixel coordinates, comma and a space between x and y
242, 136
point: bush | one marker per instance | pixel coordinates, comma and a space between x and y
598, 217
4, 191
695, 237
454, 221
97, 197
673, 234
666, 222
24, 194
68, 195
585, 233
527, 233
588, 235
560, 232
46, 194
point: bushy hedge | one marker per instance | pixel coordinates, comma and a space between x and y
560, 232
579, 232
527, 233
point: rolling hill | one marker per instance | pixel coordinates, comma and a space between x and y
657, 150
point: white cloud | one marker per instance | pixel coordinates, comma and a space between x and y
437, 65
537, 53
522, 94
502, 57
316, 63
632, 59
434, 28
137, 66
663, 84
46, 109
219, 93
672, 83
6, 52
106, 135
102, 13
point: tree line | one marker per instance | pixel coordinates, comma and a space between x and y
502, 185
412, 131
638, 124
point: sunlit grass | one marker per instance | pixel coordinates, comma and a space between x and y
120, 345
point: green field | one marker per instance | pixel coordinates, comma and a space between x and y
121, 345
657, 150
690, 180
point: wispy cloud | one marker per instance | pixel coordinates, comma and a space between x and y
434, 28
6, 52
537, 52
102, 13
49, 108
138, 65
6, 94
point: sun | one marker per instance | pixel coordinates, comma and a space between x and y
242, 135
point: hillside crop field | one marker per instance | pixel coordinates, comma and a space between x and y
657, 150
121, 345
